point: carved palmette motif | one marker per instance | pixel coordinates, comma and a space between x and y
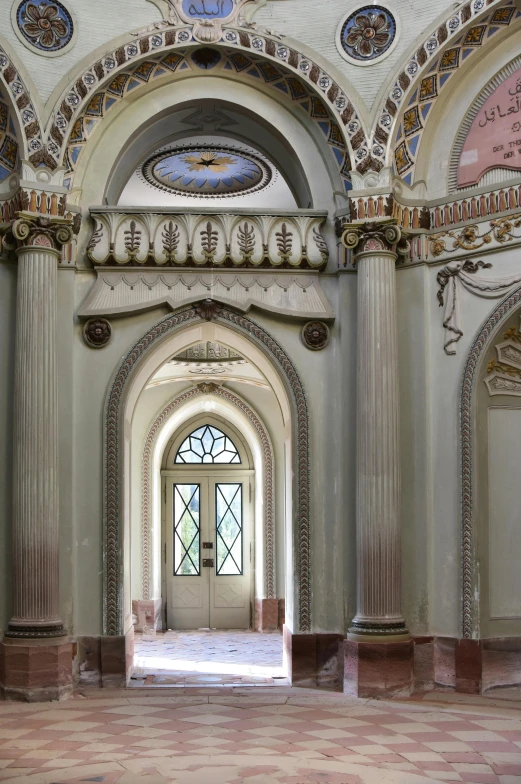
149, 239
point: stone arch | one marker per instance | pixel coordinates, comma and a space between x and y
405, 110
268, 494
166, 54
116, 429
467, 440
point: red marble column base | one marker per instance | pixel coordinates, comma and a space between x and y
148, 614
378, 669
36, 670
314, 660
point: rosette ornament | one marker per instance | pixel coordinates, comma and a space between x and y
46, 24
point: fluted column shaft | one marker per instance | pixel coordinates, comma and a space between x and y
379, 614
35, 521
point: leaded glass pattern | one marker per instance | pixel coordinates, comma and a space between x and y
207, 444
228, 507
187, 530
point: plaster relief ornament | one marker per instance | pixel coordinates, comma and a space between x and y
368, 34
97, 332
315, 335
44, 25
208, 17
206, 172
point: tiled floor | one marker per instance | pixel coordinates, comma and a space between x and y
259, 736
214, 658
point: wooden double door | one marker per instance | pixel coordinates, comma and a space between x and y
208, 548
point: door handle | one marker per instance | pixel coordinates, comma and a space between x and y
207, 545
207, 561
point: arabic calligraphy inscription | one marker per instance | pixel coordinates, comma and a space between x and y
494, 139
207, 9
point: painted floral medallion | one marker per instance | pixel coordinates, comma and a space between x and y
368, 33
45, 24
207, 172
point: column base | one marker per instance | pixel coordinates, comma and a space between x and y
266, 615
36, 670
378, 669
314, 660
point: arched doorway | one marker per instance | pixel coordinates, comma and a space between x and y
208, 484
139, 368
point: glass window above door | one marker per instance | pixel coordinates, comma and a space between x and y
207, 444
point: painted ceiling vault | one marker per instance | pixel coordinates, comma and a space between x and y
208, 171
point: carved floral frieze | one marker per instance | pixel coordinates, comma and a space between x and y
208, 240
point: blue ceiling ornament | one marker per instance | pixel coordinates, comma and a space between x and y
207, 171
45, 24
368, 33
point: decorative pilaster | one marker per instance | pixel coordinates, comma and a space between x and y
379, 618
35, 523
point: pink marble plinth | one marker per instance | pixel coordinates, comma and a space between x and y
378, 669
36, 670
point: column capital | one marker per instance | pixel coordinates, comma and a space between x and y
43, 232
374, 237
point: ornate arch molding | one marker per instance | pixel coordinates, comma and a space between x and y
113, 441
267, 451
254, 55
468, 386
27, 115
405, 111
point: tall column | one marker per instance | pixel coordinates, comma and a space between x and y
38, 657
378, 651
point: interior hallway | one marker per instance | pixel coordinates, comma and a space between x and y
213, 657
259, 736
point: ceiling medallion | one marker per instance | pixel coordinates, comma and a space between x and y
207, 172
44, 25
368, 34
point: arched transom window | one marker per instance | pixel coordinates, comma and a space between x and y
207, 444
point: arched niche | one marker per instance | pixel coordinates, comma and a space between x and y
97, 175
210, 117
169, 337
